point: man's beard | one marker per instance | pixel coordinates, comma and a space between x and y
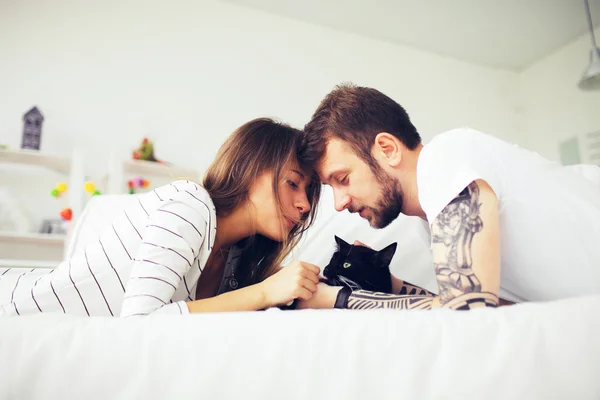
389, 204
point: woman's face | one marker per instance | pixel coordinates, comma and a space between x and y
292, 196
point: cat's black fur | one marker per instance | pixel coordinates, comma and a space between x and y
359, 267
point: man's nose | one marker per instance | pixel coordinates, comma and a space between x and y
341, 200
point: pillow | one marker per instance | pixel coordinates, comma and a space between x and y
588, 171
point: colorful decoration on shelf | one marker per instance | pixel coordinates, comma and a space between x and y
32, 129
66, 213
59, 190
137, 183
90, 188
145, 151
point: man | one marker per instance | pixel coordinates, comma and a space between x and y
504, 221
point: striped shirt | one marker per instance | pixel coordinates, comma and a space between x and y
147, 261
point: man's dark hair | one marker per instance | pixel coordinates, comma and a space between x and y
356, 115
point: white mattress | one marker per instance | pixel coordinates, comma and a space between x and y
543, 351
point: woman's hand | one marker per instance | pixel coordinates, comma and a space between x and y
298, 280
324, 297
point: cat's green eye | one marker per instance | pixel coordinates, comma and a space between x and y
347, 265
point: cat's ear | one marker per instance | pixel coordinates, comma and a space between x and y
340, 242
385, 255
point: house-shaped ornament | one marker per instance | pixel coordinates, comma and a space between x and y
32, 129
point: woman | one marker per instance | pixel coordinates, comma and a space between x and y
169, 252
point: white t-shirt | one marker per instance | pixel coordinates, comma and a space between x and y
549, 214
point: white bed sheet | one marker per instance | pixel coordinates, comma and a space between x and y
545, 351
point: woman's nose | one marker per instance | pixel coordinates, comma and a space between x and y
302, 204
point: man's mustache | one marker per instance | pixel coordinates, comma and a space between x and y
354, 209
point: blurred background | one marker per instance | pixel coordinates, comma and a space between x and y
184, 74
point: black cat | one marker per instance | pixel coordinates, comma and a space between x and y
359, 267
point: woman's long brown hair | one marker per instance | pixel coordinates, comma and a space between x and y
255, 147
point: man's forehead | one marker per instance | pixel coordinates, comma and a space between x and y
338, 155
337, 145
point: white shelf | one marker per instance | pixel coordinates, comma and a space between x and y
151, 168
23, 246
28, 264
33, 238
32, 157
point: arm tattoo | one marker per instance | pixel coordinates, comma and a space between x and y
454, 229
459, 287
473, 300
410, 289
364, 300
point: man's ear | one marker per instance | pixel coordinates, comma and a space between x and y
387, 149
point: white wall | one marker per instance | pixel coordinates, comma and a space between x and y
553, 108
186, 73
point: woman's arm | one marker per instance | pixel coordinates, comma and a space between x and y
250, 298
170, 242
297, 280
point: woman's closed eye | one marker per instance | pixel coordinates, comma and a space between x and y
293, 184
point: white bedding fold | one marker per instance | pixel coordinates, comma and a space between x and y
546, 351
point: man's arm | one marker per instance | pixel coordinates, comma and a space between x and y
466, 257
329, 296
466, 249
405, 288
